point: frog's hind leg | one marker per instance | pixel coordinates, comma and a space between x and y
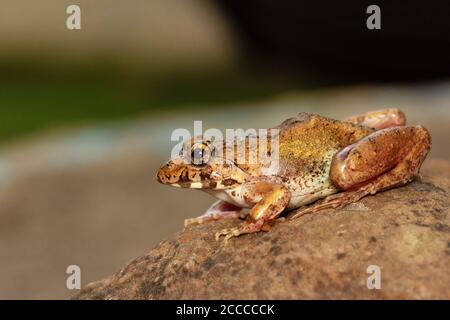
385, 159
218, 210
380, 119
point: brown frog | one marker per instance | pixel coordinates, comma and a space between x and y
335, 162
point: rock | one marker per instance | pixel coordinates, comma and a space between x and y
404, 231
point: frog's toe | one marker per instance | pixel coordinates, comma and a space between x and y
228, 233
205, 218
245, 228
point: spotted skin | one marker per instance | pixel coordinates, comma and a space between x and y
323, 162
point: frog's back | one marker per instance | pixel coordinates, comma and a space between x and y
307, 145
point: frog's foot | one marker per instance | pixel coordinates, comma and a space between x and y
218, 210
383, 160
380, 119
247, 227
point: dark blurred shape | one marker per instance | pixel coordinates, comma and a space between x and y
330, 38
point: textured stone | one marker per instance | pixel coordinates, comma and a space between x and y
405, 231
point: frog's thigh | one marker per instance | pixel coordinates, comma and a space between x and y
395, 154
387, 158
380, 119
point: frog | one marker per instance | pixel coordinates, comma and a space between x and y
323, 163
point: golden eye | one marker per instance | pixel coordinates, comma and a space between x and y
200, 154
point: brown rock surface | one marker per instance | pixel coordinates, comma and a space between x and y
405, 231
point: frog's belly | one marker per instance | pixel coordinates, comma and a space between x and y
299, 199
307, 189
310, 184
234, 196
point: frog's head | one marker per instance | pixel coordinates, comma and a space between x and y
200, 166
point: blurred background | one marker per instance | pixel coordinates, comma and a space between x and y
86, 115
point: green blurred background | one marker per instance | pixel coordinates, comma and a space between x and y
86, 117
126, 60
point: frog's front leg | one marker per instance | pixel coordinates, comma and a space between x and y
217, 211
273, 200
385, 159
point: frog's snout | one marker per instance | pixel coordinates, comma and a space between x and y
160, 177
167, 174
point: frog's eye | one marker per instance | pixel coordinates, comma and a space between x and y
200, 154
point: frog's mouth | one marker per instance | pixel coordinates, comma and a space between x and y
211, 185
189, 185
180, 178
185, 177
204, 184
